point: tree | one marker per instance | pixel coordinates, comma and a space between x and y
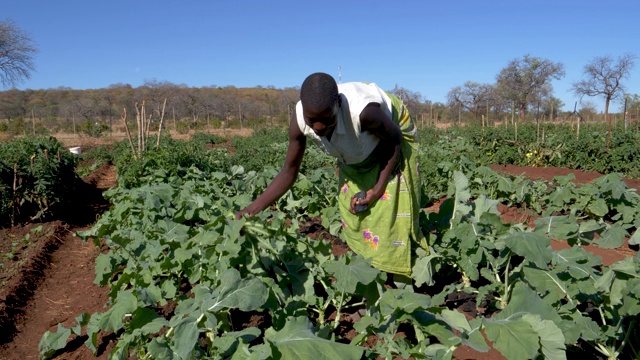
603, 77
16, 52
527, 81
412, 100
472, 97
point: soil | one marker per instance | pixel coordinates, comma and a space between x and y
49, 278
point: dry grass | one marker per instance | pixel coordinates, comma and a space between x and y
69, 140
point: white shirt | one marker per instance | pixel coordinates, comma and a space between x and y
348, 143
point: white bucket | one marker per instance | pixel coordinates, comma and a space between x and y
76, 150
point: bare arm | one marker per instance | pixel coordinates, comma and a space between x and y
286, 177
377, 122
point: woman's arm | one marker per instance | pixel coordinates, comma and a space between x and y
377, 122
287, 175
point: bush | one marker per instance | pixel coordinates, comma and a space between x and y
43, 172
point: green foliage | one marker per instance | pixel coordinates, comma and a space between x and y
173, 239
94, 128
36, 175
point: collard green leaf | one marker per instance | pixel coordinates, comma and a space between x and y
531, 246
185, 336
612, 238
588, 329
598, 207
577, 261
422, 271
53, 341
400, 299
635, 238
551, 337
298, 341
547, 284
234, 292
631, 298
113, 319
513, 337
474, 338
557, 227
159, 349
348, 276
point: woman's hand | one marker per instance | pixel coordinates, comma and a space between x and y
369, 198
240, 213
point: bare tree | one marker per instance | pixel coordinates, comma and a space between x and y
16, 52
603, 77
412, 100
472, 97
526, 81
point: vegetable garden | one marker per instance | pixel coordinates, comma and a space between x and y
186, 280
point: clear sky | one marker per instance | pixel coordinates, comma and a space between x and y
424, 46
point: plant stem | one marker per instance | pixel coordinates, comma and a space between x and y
506, 281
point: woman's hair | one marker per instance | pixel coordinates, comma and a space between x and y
319, 91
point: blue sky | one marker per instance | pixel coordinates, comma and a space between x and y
424, 46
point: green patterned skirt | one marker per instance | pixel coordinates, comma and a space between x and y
388, 229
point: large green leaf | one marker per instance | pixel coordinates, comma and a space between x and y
577, 260
558, 227
612, 238
422, 271
113, 319
348, 276
185, 337
53, 341
546, 283
531, 246
400, 299
297, 340
234, 292
551, 337
513, 337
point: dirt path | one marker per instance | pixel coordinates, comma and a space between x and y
63, 286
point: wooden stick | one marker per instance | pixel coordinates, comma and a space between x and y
161, 120
124, 119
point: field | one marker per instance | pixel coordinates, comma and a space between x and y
51, 275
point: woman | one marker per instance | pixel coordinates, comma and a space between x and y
372, 135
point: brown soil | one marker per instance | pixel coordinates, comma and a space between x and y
50, 281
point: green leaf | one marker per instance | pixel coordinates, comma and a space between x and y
551, 337
185, 337
589, 329
399, 299
113, 319
513, 337
53, 341
474, 337
234, 292
577, 260
599, 207
558, 227
422, 271
612, 238
348, 276
546, 283
531, 246
159, 349
635, 239
296, 340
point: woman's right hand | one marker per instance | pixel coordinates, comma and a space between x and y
240, 213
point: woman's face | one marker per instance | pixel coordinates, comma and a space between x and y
322, 122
